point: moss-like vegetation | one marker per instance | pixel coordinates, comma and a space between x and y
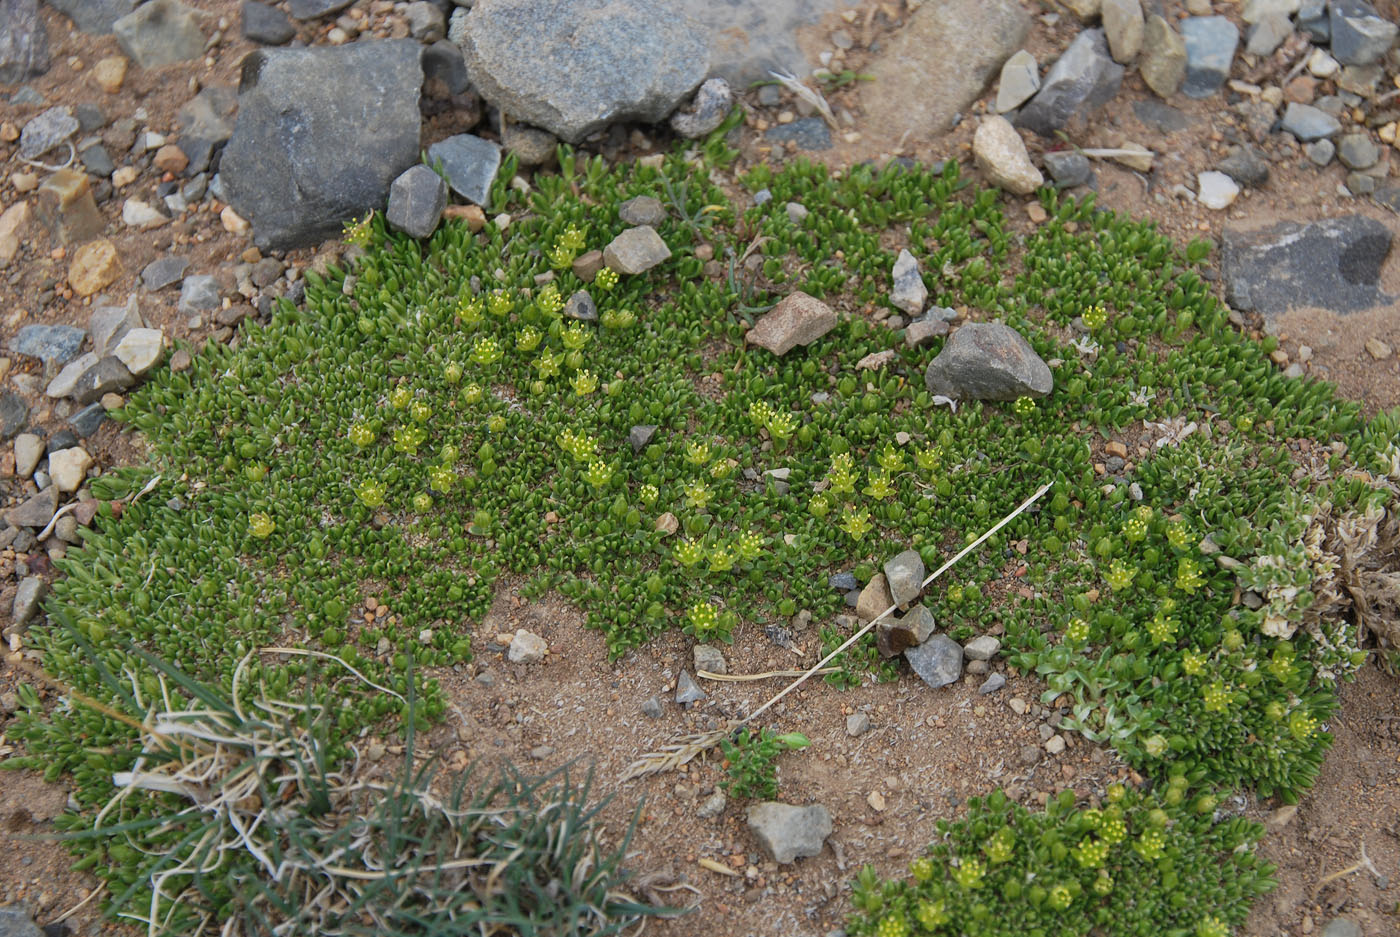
428, 420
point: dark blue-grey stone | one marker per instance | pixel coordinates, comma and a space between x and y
321, 134
209, 115
160, 32
24, 45
59, 343
687, 690
14, 414
108, 375
1083, 79
581, 307
13, 921
988, 361
416, 202
470, 163
1246, 165
1068, 168
938, 661
1161, 116
266, 25
642, 209
63, 439
163, 271
26, 97
1360, 36
843, 582
94, 16
443, 60
90, 117
809, 133
904, 573
1314, 21
86, 421
311, 9
1210, 48
1333, 264
1309, 123
97, 161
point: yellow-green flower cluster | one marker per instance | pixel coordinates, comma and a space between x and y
260, 525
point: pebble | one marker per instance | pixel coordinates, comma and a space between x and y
1068, 168
1268, 34
1018, 705
908, 291
68, 468
1055, 744
58, 343
797, 212
46, 131
642, 210
27, 597
786, 832
687, 690
37, 511
1246, 167
904, 577
1320, 151
797, 319
139, 350
29, 449
417, 199
141, 215
809, 133
938, 661
1309, 123
651, 708
993, 683
1001, 156
709, 659
1216, 190
1378, 349
1020, 80
636, 250
1342, 927
1358, 151
857, 724
526, 647
712, 806
1123, 25
199, 293
706, 111
983, 647
1210, 49
86, 421
1359, 35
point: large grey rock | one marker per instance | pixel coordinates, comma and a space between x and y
416, 202
1360, 36
47, 130
94, 16
904, 574
1210, 48
158, 33
787, 832
575, 66
1083, 79
706, 111
907, 292
799, 319
470, 164
938, 661
1309, 123
164, 271
893, 636
24, 45
1068, 168
636, 250
1163, 58
1246, 166
107, 375
1268, 34
749, 38
932, 69
988, 361
321, 134
1333, 264
266, 25
59, 343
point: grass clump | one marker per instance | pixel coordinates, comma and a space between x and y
430, 419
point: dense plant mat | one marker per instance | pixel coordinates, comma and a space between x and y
429, 420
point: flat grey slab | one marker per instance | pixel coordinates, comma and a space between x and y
748, 38
1333, 264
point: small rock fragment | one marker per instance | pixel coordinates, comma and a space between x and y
786, 832
982, 647
706, 111
904, 575
139, 350
1020, 80
68, 468
36, 512
1163, 61
526, 647
857, 724
988, 361
1216, 190
642, 210
1001, 155
27, 598
1210, 49
636, 250
799, 319
908, 291
894, 635
1123, 26
938, 661
874, 598
417, 199
709, 659
687, 690
94, 267
470, 164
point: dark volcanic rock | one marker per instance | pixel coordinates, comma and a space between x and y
1333, 264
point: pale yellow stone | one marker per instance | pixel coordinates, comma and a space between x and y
95, 266
233, 222
109, 73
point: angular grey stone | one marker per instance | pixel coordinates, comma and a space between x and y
164, 271
109, 324
640, 436
938, 661
94, 16
29, 449
581, 307
160, 32
748, 39
710, 659
908, 292
1320, 151
988, 361
857, 724
982, 647
208, 116
417, 199
108, 375
1210, 48
1358, 150
1246, 166
86, 421
651, 708
96, 160
27, 597
24, 45
426, 21
266, 25
1342, 927
311, 9
575, 66
530, 146
14, 413
285, 168
687, 690
140, 349
1123, 26
636, 250
1360, 36
932, 69
470, 163
443, 60
1360, 183
1162, 63
797, 212
1068, 168
63, 439
1020, 79
894, 635
1268, 34
993, 683
798, 319
809, 133
1314, 21
787, 832
642, 209
199, 293
62, 385
36, 512
923, 331
706, 111
1083, 79
1309, 123
713, 806
843, 582
59, 343
904, 574
47, 130
1333, 264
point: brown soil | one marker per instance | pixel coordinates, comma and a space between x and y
926, 752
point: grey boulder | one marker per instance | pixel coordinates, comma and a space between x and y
787, 832
58, 343
799, 319
161, 32
988, 361
1083, 79
416, 202
1309, 123
575, 66
266, 25
1210, 48
636, 250
1333, 264
321, 134
938, 661
1360, 36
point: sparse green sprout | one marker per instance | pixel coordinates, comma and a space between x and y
576, 336
471, 310
1119, 576
1077, 631
401, 398
471, 394
891, 459
422, 502
549, 301
842, 475
1023, 406
721, 559
617, 319
408, 438
697, 452
878, 486
452, 372
929, 459
689, 553
486, 351
1188, 575
856, 523
548, 364
760, 413
698, 495
599, 474
440, 478
969, 873
750, 545
420, 411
